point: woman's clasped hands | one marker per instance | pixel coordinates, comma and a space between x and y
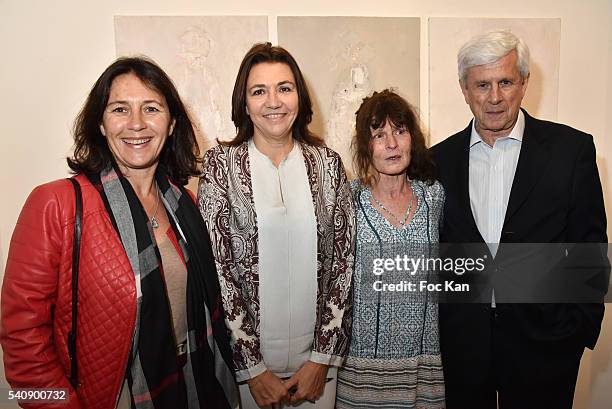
307, 384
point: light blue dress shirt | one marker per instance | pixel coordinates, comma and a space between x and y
492, 171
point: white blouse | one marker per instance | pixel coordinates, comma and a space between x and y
287, 244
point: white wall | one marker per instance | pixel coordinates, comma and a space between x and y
52, 52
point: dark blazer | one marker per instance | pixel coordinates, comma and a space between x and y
556, 197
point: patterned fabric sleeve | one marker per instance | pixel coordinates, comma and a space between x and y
331, 340
215, 206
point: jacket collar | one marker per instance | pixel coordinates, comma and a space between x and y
533, 159
462, 180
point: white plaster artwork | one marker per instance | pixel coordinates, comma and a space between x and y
198, 83
448, 112
202, 55
352, 87
353, 57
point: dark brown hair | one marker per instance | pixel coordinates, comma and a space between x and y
179, 156
260, 53
374, 111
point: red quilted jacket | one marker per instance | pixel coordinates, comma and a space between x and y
36, 299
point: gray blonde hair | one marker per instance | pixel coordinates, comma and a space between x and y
489, 47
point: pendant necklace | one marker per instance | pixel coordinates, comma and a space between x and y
401, 221
154, 222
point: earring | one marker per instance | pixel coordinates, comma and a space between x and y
247, 111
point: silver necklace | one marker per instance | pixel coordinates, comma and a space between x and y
154, 222
401, 221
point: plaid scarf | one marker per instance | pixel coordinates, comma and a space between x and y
155, 377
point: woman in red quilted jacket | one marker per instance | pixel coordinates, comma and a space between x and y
150, 329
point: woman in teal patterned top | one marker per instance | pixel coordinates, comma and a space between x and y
394, 357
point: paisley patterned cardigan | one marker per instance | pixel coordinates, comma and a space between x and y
225, 197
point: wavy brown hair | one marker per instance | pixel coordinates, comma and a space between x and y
261, 53
374, 111
180, 156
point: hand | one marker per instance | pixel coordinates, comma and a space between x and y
308, 381
268, 390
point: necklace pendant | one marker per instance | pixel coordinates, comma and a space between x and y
154, 222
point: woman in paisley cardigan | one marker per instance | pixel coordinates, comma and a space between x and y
281, 221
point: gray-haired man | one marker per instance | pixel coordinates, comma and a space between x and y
511, 178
